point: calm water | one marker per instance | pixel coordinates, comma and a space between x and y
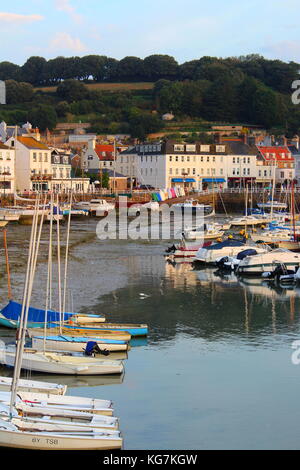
215, 371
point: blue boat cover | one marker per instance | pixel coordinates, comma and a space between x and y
232, 242
12, 311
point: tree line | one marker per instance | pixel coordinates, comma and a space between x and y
41, 72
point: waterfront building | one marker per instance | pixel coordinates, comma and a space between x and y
280, 158
229, 163
7, 169
98, 156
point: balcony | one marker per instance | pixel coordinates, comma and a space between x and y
41, 177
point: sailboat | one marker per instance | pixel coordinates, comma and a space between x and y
13, 436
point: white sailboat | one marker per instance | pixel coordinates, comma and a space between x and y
36, 386
13, 436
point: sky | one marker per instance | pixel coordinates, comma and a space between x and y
185, 29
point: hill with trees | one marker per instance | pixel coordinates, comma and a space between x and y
248, 89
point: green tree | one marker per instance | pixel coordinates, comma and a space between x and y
72, 90
18, 92
43, 116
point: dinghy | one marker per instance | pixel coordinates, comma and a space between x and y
76, 343
55, 363
10, 316
33, 386
86, 332
73, 403
131, 328
11, 436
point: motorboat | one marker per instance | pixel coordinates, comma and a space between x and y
266, 262
229, 247
97, 207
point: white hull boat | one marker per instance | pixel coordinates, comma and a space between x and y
11, 436
249, 220
33, 386
267, 262
71, 403
55, 363
75, 344
230, 248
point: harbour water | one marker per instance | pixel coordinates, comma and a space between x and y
215, 371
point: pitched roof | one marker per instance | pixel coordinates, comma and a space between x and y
104, 151
238, 147
277, 152
4, 147
32, 143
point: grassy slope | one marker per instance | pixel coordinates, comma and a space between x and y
107, 87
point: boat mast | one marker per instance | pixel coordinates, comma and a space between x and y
49, 275
7, 263
67, 257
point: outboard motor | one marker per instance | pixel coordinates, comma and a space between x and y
92, 348
221, 263
171, 249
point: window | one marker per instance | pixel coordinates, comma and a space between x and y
45, 157
178, 148
207, 159
34, 156
201, 158
176, 171
190, 148
182, 158
233, 171
194, 171
214, 159
170, 171
187, 158
233, 160
220, 148
40, 157
248, 171
176, 158
170, 158
204, 148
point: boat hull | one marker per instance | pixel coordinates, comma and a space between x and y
69, 344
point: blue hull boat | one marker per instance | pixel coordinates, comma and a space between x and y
10, 316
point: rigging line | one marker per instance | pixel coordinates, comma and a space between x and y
18, 347
67, 258
59, 269
32, 275
49, 274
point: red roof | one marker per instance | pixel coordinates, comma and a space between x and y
105, 151
281, 154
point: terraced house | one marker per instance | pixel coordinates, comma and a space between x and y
7, 169
163, 165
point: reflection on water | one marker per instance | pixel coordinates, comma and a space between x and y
216, 364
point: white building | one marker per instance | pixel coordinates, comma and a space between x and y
199, 166
7, 169
33, 164
98, 156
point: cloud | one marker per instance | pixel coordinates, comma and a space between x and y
65, 6
16, 18
64, 41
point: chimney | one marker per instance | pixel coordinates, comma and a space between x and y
217, 138
245, 138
